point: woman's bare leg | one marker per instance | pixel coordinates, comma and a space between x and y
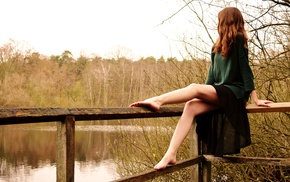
191, 109
190, 92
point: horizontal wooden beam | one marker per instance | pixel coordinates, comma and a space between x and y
209, 158
169, 169
274, 107
253, 160
31, 115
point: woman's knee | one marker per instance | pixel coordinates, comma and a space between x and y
196, 106
190, 106
205, 93
196, 89
192, 85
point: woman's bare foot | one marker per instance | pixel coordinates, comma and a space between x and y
149, 103
167, 159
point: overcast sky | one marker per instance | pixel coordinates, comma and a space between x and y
93, 26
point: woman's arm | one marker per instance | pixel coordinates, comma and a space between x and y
210, 78
259, 102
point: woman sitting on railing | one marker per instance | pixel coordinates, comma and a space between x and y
228, 87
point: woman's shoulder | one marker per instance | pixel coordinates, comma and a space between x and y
240, 36
240, 39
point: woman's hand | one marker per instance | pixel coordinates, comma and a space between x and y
265, 103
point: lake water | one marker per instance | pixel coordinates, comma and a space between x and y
28, 152
87, 171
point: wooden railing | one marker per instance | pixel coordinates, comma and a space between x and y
66, 118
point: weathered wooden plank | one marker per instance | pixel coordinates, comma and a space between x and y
123, 113
31, 115
193, 152
65, 150
274, 107
153, 173
32, 112
254, 160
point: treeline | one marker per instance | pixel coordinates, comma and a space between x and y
34, 80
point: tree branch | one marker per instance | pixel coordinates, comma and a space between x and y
282, 2
175, 13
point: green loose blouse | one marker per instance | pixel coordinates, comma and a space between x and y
233, 72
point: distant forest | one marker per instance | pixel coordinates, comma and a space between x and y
34, 80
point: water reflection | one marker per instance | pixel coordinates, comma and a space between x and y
28, 152
84, 171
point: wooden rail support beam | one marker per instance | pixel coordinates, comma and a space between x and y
194, 152
151, 174
205, 165
65, 150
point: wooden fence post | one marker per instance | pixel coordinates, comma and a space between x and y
201, 171
65, 150
206, 166
194, 151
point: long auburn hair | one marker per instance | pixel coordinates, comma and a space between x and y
230, 23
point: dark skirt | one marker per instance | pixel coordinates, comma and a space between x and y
227, 130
